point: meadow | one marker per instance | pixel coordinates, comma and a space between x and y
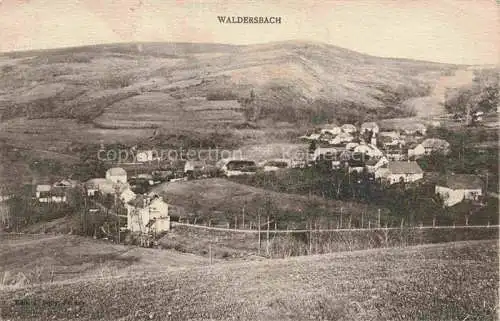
452, 281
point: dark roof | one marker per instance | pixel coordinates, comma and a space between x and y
399, 167
372, 161
58, 191
461, 181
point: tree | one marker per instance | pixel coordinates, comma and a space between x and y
482, 95
312, 146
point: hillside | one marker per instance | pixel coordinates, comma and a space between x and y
220, 200
166, 85
32, 259
454, 281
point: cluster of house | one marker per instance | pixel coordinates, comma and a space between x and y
390, 156
145, 213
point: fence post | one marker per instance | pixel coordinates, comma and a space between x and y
258, 226
341, 217
243, 210
267, 237
310, 238
378, 218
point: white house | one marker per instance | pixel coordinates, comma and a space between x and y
395, 152
414, 129
369, 126
58, 195
416, 151
458, 187
313, 136
436, 145
104, 186
391, 138
50, 194
116, 175
65, 183
368, 149
375, 163
390, 134
127, 195
348, 128
147, 214
381, 173
345, 137
362, 149
331, 129
194, 165
351, 146
146, 156
42, 192
401, 171
325, 152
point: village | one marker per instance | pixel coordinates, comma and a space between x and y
386, 157
160, 164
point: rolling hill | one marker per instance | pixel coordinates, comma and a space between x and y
453, 281
182, 85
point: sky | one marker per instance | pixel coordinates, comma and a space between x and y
451, 31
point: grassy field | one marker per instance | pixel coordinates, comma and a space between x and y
221, 200
33, 259
230, 244
453, 281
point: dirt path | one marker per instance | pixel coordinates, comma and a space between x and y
432, 105
10, 240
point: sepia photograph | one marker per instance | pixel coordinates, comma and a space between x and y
216, 160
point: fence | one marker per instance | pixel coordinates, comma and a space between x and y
291, 231
283, 243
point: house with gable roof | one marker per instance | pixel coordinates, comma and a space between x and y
400, 171
456, 188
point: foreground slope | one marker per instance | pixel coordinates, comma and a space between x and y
32, 259
454, 281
